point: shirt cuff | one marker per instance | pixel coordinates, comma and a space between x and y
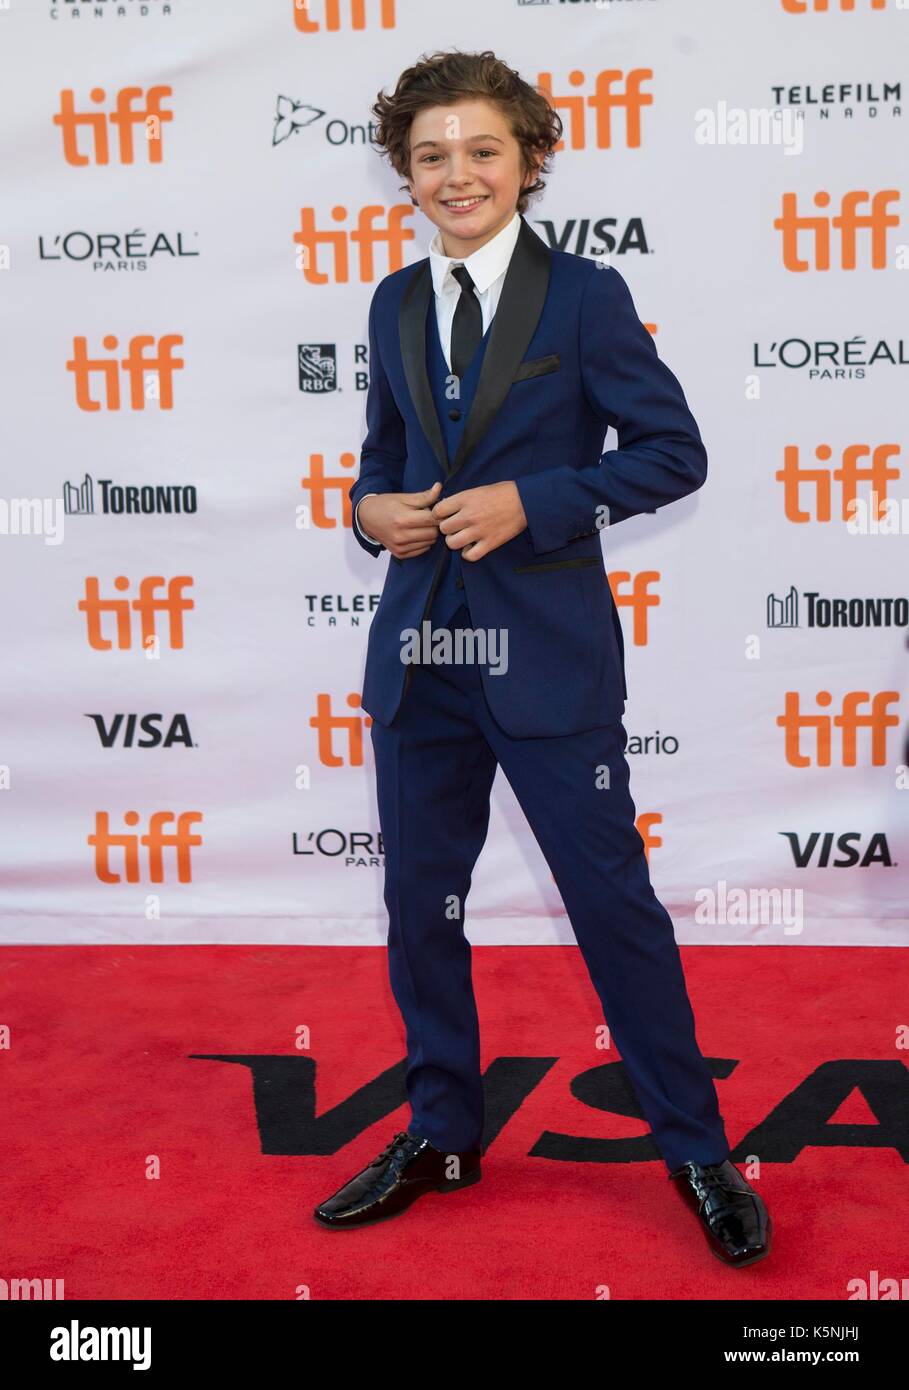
365, 534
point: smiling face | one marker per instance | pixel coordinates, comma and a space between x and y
466, 172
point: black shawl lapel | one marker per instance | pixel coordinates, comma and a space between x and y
412, 333
516, 317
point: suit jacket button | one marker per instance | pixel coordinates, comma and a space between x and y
459, 583
454, 414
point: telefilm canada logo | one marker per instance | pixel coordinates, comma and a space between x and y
871, 101
111, 10
338, 611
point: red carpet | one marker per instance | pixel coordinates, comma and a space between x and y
186, 1057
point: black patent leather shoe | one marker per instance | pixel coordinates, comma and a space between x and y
732, 1215
407, 1169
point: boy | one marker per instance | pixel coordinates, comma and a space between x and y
495, 366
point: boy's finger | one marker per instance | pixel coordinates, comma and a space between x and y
424, 498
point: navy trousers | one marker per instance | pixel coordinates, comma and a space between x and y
435, 766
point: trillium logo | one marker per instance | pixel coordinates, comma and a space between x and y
292, 116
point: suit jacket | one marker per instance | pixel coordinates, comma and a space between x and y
567, 356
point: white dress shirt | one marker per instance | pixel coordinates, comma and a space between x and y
487, 268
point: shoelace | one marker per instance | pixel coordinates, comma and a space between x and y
400, 1138
713, 1179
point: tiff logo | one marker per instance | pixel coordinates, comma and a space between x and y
848, 721
156, 841
332, 13
364, 238
848, 222
318, 485
150, 373
848, 474
147, 605
123, 118
326, 723
640, 599
608, 95
819, 6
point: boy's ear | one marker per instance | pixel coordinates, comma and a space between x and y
533, 175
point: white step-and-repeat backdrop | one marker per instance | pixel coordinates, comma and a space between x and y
194, 219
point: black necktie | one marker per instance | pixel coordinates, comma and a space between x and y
467, 326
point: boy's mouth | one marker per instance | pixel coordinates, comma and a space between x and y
464, 204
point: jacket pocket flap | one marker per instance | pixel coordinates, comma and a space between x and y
538, 367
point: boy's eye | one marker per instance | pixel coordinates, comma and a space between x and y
428, 157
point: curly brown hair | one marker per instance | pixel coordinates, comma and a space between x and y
443, 78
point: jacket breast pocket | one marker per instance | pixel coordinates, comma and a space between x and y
538, 366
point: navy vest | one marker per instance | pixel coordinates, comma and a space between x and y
450, 593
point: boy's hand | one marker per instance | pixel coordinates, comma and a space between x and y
402, 521
480, 519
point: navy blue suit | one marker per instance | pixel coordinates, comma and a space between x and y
564, 356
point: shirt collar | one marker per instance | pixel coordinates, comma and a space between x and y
485, 265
